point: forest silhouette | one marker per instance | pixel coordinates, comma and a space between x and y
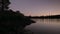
12, 22
45, 17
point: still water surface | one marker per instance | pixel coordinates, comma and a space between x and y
45, 26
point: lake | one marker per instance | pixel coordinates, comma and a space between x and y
45, 26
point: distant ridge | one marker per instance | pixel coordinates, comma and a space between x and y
46, 17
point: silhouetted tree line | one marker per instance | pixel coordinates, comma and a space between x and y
11, 21
46, 17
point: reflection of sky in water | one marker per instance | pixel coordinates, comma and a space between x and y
45, 25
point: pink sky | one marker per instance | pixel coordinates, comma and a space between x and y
36, 7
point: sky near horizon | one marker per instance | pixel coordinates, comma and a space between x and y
36, 7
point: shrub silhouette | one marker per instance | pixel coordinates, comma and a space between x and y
11, 21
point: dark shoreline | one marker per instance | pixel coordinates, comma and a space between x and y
45, 17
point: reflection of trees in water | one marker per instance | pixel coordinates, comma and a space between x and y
28, 32
58, 20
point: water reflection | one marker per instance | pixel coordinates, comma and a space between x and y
45, 26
